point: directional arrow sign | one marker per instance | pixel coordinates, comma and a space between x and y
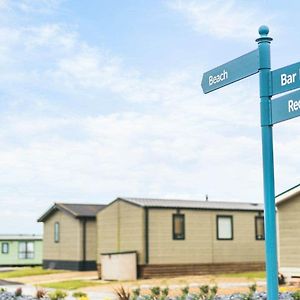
230, 72
286, 79
285, 107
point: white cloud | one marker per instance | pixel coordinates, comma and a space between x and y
36, 6
166, 139
222, 19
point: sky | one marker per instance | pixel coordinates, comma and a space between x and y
100, 99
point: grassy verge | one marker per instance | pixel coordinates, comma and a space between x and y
249, 275
27, 272
69, 284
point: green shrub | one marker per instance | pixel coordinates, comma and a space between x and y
155, 292
79, 294
57, 295
135, 293
165, 292
296, 295
204, 290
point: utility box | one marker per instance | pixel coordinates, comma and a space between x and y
119, 266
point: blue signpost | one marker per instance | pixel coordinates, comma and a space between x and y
271, 112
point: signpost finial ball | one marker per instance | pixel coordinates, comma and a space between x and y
263, 30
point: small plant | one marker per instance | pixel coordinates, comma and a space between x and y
213, 292
155, 292
185, 290
207, 293
122, 293
165, 292
252, 290
18, 292
296, 295
57, 295
204, 291
135, 293
40, 293
79, 295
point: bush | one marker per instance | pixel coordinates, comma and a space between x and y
40, 293
122, 293
296, 295
57, 295
79, 295
18, 292
155, 292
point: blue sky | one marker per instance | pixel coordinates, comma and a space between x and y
101, 99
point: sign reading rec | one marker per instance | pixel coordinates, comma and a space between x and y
237, 69
286, 107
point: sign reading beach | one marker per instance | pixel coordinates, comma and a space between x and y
237, 69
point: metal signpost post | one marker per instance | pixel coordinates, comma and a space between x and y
272, 112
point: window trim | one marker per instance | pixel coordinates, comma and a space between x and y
257, 218
56, 232
2, 248
26, 252
217, 227
176, 238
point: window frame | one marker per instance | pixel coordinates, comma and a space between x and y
26, 253
256, 227
177, 237
217, 227
2, 248
56, 232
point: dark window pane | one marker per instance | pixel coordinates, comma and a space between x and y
178, 227
259, 228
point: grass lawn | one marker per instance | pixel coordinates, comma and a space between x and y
248, 275
70, 284
27, 272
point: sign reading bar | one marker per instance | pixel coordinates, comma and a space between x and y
286, 79
237, 69
285, 107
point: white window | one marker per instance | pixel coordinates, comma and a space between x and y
224, 228
26, 250
56, 232
4, 248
